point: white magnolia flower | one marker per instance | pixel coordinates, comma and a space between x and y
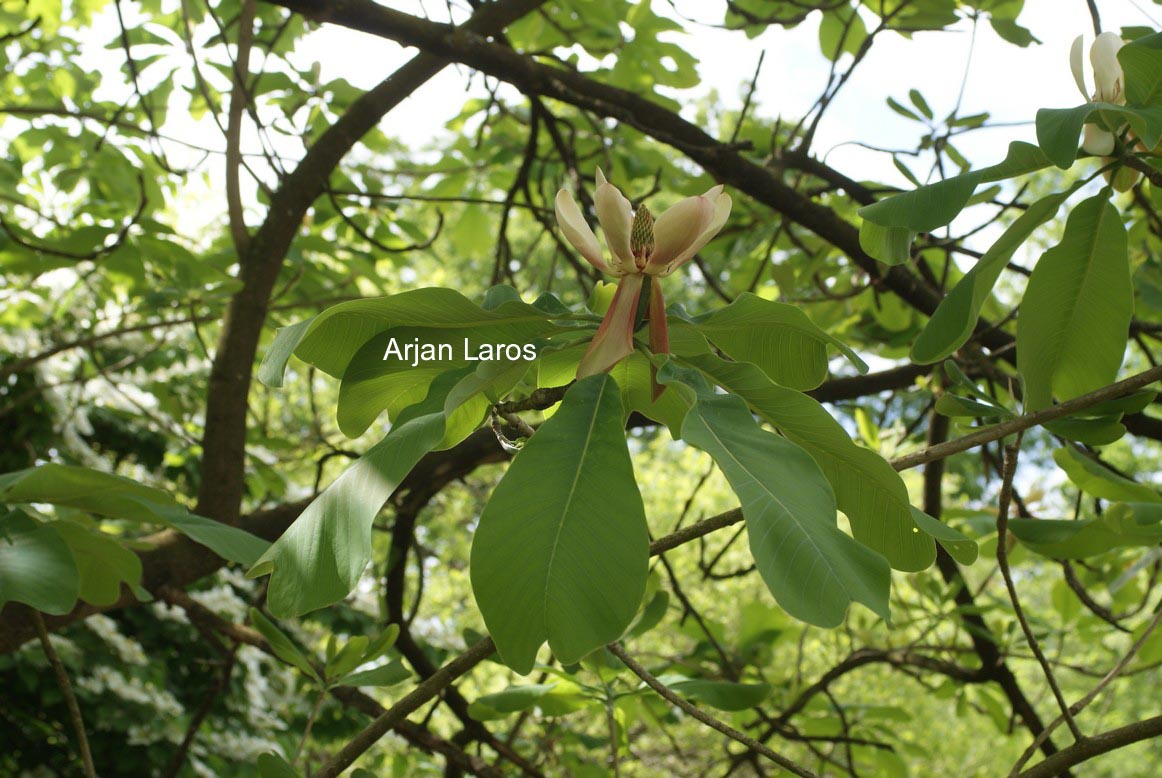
1109, 83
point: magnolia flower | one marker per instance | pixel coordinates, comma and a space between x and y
1108, 85
641, 251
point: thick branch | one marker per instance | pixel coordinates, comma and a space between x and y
1095, 746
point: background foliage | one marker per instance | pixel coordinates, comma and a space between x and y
162, 215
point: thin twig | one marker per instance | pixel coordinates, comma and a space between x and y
697, 713
62, 679
1008, 471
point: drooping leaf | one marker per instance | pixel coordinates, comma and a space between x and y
955, 319
271, 765
36, 566
561, 552
866, 488
960, 547
813, 569
1122, 525
319, 559
105, 494
1075, 315
1099, 481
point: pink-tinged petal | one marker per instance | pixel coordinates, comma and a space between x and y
659, 330
614, 339
1097, 141
613, 211
1076, 53
677, 229
717, 219
578, 232
659, 334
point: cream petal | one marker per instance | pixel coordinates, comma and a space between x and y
614, 339
717, 220
1097, 141
1076, 53
677, 229
713, 192
600, 177
578, 232
613, 211
1107, 71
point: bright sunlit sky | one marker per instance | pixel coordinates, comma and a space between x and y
1009, 82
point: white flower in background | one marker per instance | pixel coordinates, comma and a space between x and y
1109, 85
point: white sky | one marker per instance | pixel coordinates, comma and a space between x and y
1009, 82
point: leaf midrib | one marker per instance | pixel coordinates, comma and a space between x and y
569, 501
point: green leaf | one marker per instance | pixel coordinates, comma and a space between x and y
779, 338
36, 566
955, 319
511, 700
1098, 481
320, 557
347, 658
561, 552
841, 31
111, 495
1123, 525
722, 695
1059, 129
961, 548
920, 103
954, 406
102, 563
283, 647
331, 339
651, 615
935, 205
271, 765
1141, 63
385, 675
812, 568
1092, 432
890, 245
374, 382
1075, 315
867, 489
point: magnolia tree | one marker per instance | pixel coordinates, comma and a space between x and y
327, 450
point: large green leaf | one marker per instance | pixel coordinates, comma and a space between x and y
1075, 315
1122, 525
867, 489
331, 339
955, 319
812, 568
960, 547
111, 495
1059, 129
320, 557
1098, 481
1142, 67
562, 550
36, 566
777, 337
